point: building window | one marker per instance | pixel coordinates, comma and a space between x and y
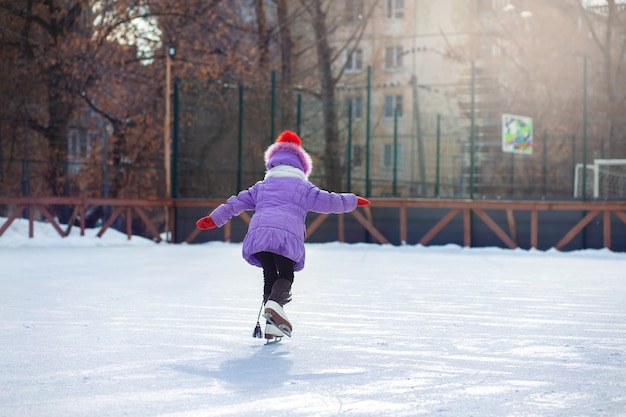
393, 57
358, 152
357, 107
393, 102
491, 5
395, 9
353, 10
388, 160
78, 144
354, 60
499, 5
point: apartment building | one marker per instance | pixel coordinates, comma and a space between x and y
413, 56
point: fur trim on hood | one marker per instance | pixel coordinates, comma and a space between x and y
288, 153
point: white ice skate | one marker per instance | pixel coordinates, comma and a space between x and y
272, 333
275, 314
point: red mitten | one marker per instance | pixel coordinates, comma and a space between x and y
205, 223
360, 201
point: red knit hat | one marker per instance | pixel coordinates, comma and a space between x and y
289, 136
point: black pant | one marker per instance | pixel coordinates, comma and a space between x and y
274, 267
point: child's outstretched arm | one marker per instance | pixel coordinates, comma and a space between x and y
321, 201
243, 201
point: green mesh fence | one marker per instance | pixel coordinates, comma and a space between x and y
224, 129
221, 130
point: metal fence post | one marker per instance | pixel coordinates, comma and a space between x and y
299, 114
367, 131
544, 168
472, 129
438, 156
573, 164
349, 155
395, 152
584, 194
239, 139
512, 174
273, 108
174, 191
25, 171
584, 213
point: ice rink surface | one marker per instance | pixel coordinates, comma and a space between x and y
109, 327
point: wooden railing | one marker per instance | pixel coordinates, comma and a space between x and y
129, 208
478, 207
126, 208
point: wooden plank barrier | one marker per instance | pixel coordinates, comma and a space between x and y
129, 208
122, 208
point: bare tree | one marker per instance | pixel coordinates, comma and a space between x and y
40, 37
279, 34
608, 20
319, 79
324, 26
263, 35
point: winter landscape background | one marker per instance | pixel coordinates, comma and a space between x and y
109, 327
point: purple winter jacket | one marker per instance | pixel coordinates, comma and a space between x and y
281, 202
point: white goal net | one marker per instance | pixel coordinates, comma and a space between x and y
605, 179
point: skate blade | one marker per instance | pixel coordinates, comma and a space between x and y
273, 341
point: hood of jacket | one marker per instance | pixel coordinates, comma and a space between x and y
290, 154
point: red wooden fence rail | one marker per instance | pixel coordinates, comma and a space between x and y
127, 208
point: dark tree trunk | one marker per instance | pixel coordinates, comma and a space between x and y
332, 153
286, 53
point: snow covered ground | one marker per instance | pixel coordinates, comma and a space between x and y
110, 327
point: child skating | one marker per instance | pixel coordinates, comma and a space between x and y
275, 237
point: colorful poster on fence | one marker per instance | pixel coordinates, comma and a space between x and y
517, 134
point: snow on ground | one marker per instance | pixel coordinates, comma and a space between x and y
110, 327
